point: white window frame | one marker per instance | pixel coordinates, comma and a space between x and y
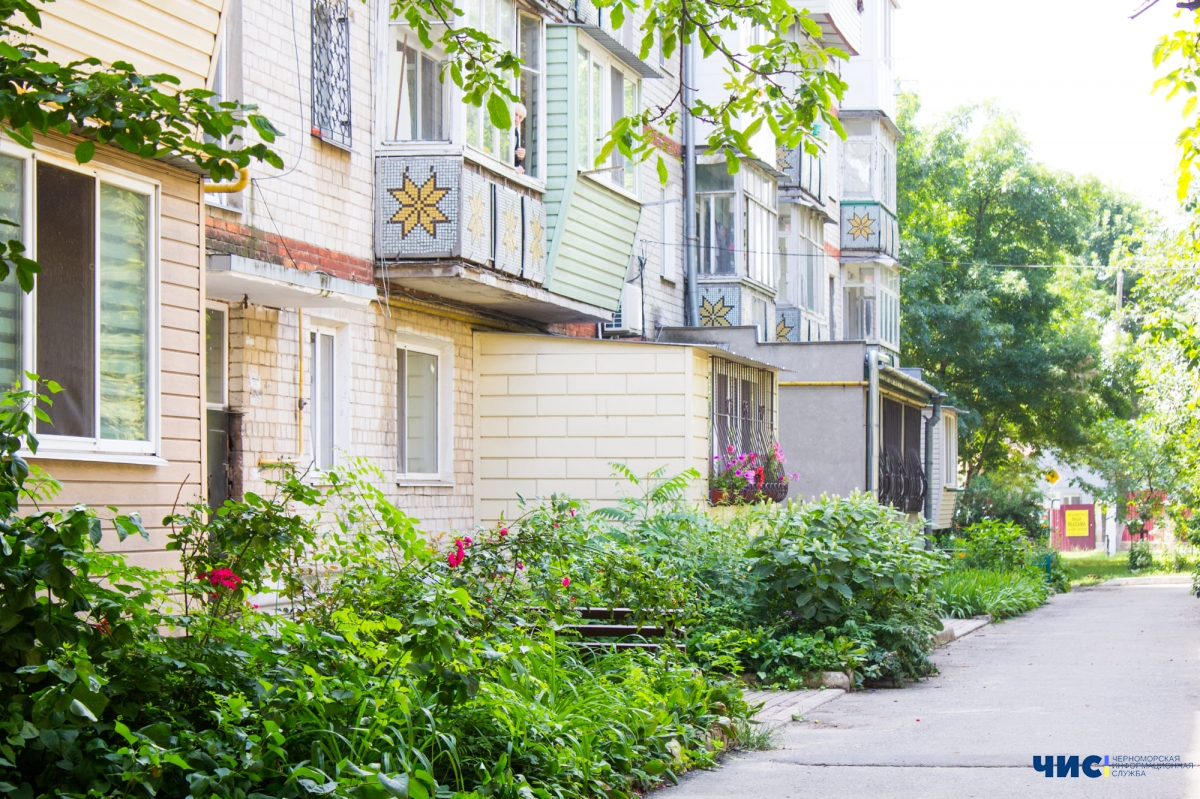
443, 350
224, 309
950, 450
341, 390
388, 125
54, 447
598, 55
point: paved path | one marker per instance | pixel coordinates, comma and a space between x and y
1106, 670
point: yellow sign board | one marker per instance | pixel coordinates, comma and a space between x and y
1052, 477
1076, 522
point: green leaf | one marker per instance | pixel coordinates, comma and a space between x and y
498, 112
396, 786
80, 709
85, 151
64, 673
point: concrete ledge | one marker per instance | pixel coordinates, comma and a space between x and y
953, 629
1156, 579
779, 707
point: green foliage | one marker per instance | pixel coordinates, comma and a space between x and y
821, 559
1141, 558
1000, 594
1010, 495
1181, 50
996, 545
1018, 348
786, 83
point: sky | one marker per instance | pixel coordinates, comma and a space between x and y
1077, 74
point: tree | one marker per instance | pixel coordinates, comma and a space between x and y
786, 81
117, 105
1010, 338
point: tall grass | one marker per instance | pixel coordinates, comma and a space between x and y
974, 592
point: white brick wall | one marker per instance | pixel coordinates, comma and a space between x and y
554, 413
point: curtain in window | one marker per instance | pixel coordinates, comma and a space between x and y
12, 200
123, 313
421, 421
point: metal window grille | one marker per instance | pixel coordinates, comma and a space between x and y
902, 480
331, 71
743, 411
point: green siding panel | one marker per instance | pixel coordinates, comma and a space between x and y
592, 227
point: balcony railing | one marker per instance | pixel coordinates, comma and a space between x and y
431, 207
902, 482
801, 170
868, 228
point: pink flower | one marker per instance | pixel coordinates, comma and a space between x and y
254, 606
730, 449
572, 513
520, 565
468, 541
566, 581
753, 455
503, 531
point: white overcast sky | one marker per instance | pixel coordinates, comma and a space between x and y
1077, 73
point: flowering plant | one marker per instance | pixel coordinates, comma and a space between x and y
742, 476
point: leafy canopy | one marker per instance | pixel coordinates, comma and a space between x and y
786, 80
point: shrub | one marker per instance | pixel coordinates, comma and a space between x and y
1000, 594
994, 544
1140, 556
1008, 495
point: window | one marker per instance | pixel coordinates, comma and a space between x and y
886, 13
417, 416
743, 410
520, 33
12, 212
950, 451
715, 226
331, 72
605, 92
758, 219
323, 396
92, 333
872, 304
216, 326
416, 110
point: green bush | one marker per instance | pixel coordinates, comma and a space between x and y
1000, 594
1141, 557
1010, 494
994, 544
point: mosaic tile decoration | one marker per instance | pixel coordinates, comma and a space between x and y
476, 216
787, 161
510, 230
418, 202
861, 227
535, 240
787, 324
720, 306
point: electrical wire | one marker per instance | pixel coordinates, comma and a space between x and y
299, 99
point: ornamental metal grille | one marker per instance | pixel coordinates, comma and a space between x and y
331, 71
743, 417
902, 480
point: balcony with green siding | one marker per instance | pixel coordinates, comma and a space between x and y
592, 214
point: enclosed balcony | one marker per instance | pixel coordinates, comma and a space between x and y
868, 229
445, 227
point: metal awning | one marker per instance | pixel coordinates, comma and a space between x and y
235, 278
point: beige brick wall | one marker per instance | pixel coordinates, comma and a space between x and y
265, 384
554, 413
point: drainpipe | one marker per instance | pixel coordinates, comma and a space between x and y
932, 423
689, 186
873, 423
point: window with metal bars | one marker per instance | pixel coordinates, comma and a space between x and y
743, 409
902, 480
331, 72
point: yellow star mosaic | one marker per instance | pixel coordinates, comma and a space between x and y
715, 314
536, 245
510, 237
419, 206
782, 330
861, 227
475, 222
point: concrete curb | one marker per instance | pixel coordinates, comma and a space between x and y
781, 707
953, 629
1157, 579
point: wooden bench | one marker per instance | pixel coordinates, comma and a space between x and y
620, 623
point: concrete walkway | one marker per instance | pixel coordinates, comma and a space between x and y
1110, 670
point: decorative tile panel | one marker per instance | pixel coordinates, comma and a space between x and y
418, 202
535, 240
477, 218
787, 324
720, 306
870, 227
510, 231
